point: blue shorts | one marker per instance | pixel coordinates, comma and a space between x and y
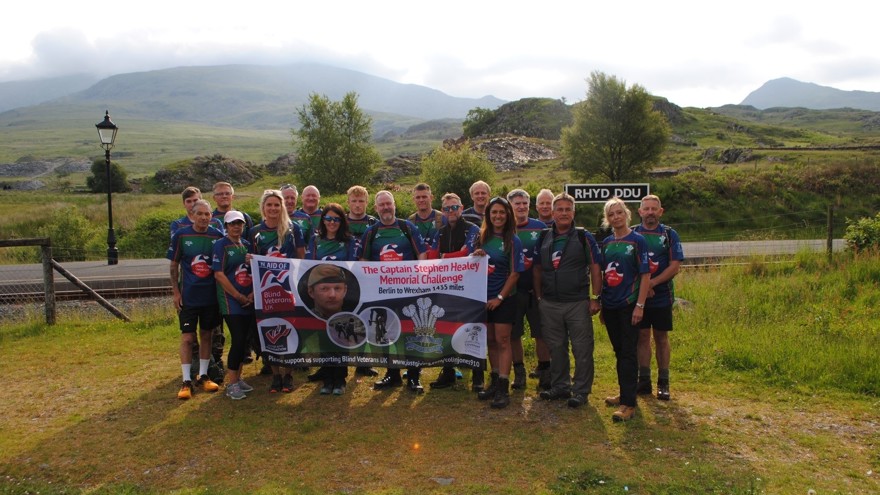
203, 317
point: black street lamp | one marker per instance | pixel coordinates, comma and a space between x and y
107, 132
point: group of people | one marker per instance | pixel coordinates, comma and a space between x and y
545, 271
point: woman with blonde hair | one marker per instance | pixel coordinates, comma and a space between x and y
277, 236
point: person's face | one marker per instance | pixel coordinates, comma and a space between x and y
272, 208
190, 201
452, 210
498, 217
311, 198
223, 198
650, 211
332, 221
201, 217
480, 196
234, 229
357, 205
328, 297
386, 208
563, 215
617, 217
520, 208
544, 205
289, 196
422, 199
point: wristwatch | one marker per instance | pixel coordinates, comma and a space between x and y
500, 297
640, 305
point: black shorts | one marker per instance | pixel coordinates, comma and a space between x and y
505, 313
526, 309
203, 317
659, 319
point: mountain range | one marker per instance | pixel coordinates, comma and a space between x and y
789, 93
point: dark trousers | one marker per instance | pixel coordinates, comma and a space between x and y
240, 328
624, 340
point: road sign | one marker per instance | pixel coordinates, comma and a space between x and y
600, 193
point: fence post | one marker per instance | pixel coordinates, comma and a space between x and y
48, 281
829, 242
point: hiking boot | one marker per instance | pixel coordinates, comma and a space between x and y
365, 371
535, 373
555, 394
266, 369
477, 381
577, 400
489, 392
244, 386
644, 386
287, 383
186, 391
624, 413
519, 377
613, 401
446, 378
663, 389
390, 380
276, 384
234, 391
412, 381
207, 384
502, 394
544, 379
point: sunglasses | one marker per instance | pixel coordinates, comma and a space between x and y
288, 186
332, 219
447, 209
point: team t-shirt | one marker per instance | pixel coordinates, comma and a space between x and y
194, 251
664, 246
624, 261
229, 258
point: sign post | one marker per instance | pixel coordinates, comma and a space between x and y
600, 193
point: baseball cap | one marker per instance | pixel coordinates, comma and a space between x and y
233, 216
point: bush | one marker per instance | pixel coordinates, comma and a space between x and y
70, 232
455, 169
863, 234
149, 238
97, 182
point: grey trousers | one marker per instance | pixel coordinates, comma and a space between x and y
564, 322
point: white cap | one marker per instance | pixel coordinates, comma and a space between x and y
233, 216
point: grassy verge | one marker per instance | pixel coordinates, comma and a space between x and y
771, 394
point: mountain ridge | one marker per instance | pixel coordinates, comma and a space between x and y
786, 92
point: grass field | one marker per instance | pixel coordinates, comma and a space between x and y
775, 390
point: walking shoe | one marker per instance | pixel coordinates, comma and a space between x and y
613, 401
412, 381
186, 391
625, 413
535, 373
555, 394
244, 386
644, 387
276, 384
477, 381
663, 389
489, 392
544, 379
287, 383
458, 375
365, 371
327, 388
577, 400
519, 377
207, 385
234, 391
388, 381
266, 369
339, 387
446, 378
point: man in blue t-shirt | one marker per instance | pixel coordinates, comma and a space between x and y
393, 239
195, 298
664, 258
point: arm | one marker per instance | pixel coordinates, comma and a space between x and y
667, 274
537, 283
509, 284
596, 283
224, 282
175, 289
639, 311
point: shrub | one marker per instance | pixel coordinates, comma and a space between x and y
863, 234
149, 238
455, 169
70, 232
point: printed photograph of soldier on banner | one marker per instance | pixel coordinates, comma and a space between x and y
349, 313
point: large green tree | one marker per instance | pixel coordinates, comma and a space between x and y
454, 169
334, 143
97, 182
616, 134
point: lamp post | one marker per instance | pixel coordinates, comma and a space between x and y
107, 132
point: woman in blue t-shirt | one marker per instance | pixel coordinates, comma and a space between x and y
625, 286
333, 241
498, 241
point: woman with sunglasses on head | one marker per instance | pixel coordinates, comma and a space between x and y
497, 240
277, 236
334, 242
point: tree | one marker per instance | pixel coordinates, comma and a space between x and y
616, 133
455, 169
477, 121
335, 149
97, 182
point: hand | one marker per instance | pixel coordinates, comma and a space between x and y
492, 304
595, 307
479, 252
638, 314
178, 301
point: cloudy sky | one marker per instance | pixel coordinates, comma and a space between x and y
696, 53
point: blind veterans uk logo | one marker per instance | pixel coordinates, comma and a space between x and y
344, 313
